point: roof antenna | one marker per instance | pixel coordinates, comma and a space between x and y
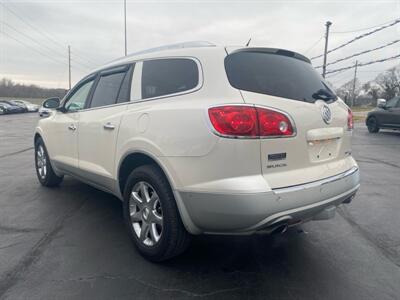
248, 43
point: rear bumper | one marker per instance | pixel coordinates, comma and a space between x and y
246, 213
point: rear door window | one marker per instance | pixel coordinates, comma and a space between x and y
278, 73
162, 77
113, 87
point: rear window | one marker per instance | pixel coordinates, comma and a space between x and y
162, 77
276, 75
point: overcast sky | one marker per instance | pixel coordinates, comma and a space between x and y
34, 34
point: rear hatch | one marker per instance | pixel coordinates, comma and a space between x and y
287, 82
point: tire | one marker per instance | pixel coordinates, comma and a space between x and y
156, 227
372, 124
44, 170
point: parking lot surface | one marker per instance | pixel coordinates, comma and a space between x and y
70, 242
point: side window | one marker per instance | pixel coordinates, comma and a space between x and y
392, 102
77, 100
107, 89
168, 76
125, 91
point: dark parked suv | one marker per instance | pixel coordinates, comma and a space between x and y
386, 115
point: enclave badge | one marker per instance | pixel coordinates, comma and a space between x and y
326, 114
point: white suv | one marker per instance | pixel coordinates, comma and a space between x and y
196, 138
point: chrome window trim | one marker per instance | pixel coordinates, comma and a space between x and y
95, 76
100, 107
317, 183
195, 89
139, 81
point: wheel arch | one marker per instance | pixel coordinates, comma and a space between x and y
36, 137
372, 116
132, 160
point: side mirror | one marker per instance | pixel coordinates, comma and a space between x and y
381, 103
51, 103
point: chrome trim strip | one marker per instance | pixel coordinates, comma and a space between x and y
195, 89
317, 183
133, 100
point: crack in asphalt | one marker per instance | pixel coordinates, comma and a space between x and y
369, 237
149, 285
11, 229
10, 245
16, 152
376, 161
11, 278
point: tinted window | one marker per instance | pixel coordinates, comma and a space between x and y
107, 89
276, 75
78, 98
125, 91
168, 76
392, 102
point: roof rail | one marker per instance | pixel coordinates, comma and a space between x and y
193, 44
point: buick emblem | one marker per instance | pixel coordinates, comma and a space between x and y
326, 114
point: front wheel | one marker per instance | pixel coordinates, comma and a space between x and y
151, 215
44, 171
372, 124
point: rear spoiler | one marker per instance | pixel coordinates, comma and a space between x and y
275, 51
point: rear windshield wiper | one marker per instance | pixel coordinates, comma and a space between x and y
324, 95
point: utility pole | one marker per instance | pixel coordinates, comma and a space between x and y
126, 47
327, 24
69, 66
353, 99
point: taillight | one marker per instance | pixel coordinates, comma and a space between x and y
234, 120
350, 123
249, 121
273, 123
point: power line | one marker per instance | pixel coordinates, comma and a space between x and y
40, 52
359, 37
42, 45
365, 64
344, 79
372, 71
360, 53
337, 73
34, 49
313, 45
44, 33
361, 29
30, 38
33, 27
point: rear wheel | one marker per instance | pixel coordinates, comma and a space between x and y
151, 215
44, 171
372, 124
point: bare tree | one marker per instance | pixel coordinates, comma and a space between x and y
346, 91
389, 81
8, 88
373, 90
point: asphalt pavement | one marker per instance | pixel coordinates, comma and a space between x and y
70, 242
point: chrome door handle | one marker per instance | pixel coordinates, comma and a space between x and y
72, 127
108, 126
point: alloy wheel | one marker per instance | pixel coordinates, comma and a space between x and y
41, 162
146, 213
